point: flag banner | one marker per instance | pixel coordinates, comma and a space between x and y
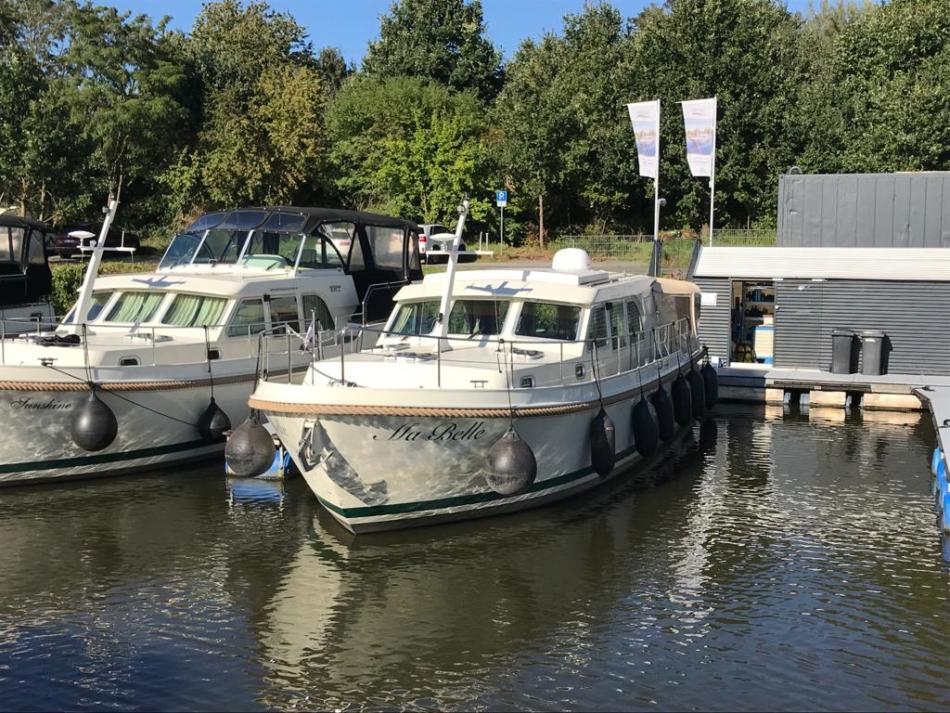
645, 117
699, 115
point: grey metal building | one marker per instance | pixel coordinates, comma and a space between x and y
864, 210
776, 307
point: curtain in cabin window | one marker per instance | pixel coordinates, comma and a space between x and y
135, 307
195, 311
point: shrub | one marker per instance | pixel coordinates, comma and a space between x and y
68, 276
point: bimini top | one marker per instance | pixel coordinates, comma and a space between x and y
317, 215
911, 264
11, 220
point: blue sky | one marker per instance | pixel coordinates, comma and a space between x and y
350, 25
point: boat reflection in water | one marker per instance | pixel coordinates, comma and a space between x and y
755, 558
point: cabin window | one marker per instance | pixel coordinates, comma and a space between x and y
320, 252
135, 307
414, 263
16, 243
618, 326
283, 312
548, 321
6, 255
248, 319
195, 311
285, 245
341, 235
387, 246
37, 254
597, 331
355, 260
315, 309
478, 317
413, 318
633, 318
96, 303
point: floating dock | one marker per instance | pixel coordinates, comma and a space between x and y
885, 392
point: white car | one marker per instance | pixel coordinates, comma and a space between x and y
435, 242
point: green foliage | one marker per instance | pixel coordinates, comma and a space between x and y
441, 40
262, 137
409, 147
68, 277
748, 54
881, 99
565, 134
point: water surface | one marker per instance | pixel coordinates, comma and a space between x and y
779, 562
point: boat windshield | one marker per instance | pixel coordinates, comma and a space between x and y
180, 250
415, 318
478, 317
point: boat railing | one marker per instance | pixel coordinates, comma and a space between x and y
552, 363
202, 343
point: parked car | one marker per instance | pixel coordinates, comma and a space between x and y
435, 242
66, 245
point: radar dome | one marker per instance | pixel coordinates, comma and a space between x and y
571, 260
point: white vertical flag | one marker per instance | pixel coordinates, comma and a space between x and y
645, 117
699, 115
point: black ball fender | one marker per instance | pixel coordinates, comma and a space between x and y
94, 425
711, 384
646, 433
664, 413
682, 401
603, 441
250, 448
512, 466
697, 393
213, 423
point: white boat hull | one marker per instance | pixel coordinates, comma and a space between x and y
158, 429
382, 472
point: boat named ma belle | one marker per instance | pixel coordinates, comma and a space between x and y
491, 390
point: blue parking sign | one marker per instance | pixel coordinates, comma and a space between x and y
501, 198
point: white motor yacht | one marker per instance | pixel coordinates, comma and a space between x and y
493, 390
149, 369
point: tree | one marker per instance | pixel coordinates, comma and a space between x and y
270, 151
442, 40
124, 85
748, 53
418, 156
333, 69
261, 138
565, 134
881, 97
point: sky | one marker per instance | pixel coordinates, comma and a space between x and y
350, 25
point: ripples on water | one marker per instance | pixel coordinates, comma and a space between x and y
774, 562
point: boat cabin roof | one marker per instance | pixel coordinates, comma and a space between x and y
221, 283
581, 287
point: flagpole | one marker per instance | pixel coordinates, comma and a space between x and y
712, 173
656, 187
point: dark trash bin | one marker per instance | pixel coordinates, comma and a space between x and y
872, 348
844, 355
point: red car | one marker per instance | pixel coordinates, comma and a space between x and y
66, 245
